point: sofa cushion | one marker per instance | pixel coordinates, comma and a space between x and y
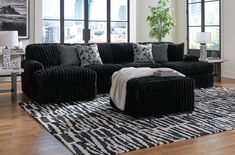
89, 55
105, 70
137, 65
105, 52
175, 52
58, 76
104, 74
190, 68
68, 55
47, 54
160, 52
142, 53
122, 53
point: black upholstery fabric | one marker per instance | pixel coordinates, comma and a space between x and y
156, 96
122, 53
30, 66
104, 74
175, 52
47, 54
63, 83
44, 80
105, 52
137, 65
191, 58
190, 68
203, 80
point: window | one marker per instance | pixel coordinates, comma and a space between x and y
77, 21
204, 16
51, 21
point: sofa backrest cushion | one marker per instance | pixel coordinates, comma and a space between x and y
47, 54
122, 53
105, 53
175, 52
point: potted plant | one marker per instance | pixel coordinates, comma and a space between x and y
160, 21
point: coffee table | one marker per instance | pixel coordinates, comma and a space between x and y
13, 73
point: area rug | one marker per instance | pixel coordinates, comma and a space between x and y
96, 128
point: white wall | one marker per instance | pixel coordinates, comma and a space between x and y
31, 24
227, 33
181, 23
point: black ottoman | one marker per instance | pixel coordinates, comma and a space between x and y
157, 96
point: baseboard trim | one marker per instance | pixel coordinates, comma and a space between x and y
227, 74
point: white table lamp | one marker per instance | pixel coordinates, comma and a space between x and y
8, 39
203, 38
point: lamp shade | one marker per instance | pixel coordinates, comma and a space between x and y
9, 38
203, 37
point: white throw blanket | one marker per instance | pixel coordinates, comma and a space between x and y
119, 83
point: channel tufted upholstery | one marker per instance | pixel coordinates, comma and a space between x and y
46, 80
138, 65
104, 73
156, 96
62, 83
122, 53
47, 54
190, 68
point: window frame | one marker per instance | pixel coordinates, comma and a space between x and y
86, 30
203, 26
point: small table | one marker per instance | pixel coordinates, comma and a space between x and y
13, 73
217, 68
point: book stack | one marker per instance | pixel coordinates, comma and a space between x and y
166, 72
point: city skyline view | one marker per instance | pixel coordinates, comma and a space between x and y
74, 21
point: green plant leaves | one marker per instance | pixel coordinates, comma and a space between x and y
160, 21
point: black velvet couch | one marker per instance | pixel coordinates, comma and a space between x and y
46, 80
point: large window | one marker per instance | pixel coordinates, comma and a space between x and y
77, 21
204, 16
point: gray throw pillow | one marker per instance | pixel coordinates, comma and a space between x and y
142, 53
89, 55
68, 55
160, 52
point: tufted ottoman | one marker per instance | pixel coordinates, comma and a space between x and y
156, 96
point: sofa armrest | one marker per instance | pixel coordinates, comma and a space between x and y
191, 58
31, 65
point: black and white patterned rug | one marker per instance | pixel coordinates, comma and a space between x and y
96, 128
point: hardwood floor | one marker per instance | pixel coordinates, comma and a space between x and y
20, 134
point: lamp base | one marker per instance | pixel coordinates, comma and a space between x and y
6, 63
203, 53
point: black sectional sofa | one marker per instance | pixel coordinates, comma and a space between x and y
46, 80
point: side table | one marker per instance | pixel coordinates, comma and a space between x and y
13, 73
217, 68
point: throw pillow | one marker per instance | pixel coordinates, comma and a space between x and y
175, 52
89, 55
160, 52
68, 55
142, 53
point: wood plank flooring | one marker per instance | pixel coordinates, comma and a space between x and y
20, 134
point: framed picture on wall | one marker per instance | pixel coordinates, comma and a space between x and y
14, 15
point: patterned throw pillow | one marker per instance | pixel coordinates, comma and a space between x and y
89, 55
142, 53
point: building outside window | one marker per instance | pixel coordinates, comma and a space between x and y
107, 21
